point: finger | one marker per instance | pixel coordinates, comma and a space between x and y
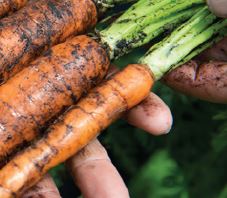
218, 52
152, 115
218, 7
207, 81
94, 173
46, 188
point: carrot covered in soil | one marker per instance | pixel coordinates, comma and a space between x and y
56, 80
41, 24
46, 87
103, 105
8, 6
27, 33
80, 124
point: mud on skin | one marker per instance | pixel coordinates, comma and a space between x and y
49, 84
206, 81
39, 25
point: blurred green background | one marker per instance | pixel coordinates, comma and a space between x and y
190, 162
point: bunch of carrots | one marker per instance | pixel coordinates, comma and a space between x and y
45, 69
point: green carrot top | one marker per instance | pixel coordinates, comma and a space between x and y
145, 20
185, 42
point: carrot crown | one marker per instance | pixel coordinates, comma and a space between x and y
144, 21
185, 42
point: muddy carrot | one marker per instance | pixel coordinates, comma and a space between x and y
27, 33
46, 87
44, 23
39, 25
8, 6
80, 124
56, 80
83, 122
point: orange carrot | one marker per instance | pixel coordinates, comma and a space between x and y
25, 34
49, 85
80, 124
7, 6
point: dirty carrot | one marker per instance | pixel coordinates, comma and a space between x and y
46, 87
56, 80
8, 6
25, 34
82, 122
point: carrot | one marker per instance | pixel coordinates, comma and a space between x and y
7, 6
56, 80
83, 122
80, 124
39, 25
46, 87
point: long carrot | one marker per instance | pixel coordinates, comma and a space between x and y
7, 6
58, 79
83, 122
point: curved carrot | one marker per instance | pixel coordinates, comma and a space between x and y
50, 84
7, 6
39, 25
80, 124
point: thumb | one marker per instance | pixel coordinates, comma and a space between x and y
218, 7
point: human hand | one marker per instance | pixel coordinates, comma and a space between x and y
204, 77
152, 115
92, 169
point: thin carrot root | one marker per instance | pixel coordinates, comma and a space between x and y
45, 88
79, 125
39, 25
8, 6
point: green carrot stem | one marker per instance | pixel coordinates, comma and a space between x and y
153, 30
199, 49
135, 20
181, 43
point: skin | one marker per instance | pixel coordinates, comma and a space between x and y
95, 156
218, 7
205, 77
46, 188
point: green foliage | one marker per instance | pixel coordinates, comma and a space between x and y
160, 177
